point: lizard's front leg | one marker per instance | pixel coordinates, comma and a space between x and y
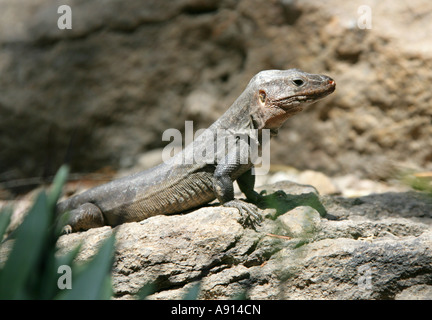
246, 183
223, 183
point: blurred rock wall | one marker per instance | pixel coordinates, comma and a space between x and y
103, 92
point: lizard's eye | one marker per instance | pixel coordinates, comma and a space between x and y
262, 96
298, 82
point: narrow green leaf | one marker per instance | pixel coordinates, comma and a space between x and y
5, 217
48, 284
242, 295
93, 282
69, 257
57, 185
27, 249
193, 292
106, 291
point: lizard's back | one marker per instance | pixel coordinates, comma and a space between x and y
168, 188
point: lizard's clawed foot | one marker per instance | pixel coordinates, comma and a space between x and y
249, 212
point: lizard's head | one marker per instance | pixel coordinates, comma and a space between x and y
280, 94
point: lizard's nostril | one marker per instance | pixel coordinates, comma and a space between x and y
331, 82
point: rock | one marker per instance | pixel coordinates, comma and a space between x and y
418, 292
378, 249
320, 181
300, 222
289, 187
350, 269
351, 185
171, 251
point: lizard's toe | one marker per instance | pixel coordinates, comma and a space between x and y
249, 212
67, 229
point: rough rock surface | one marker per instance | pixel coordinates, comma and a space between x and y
371, 247
103, 92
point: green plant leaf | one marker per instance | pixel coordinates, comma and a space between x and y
93, 281
28, 248
48, 287
5, 217
193, 292
57, 186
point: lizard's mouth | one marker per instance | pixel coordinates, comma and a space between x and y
307, 95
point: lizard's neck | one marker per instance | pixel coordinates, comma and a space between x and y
238, 116
244, 115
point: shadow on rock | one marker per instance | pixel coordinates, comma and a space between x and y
282, 203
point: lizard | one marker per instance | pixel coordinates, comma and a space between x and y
181, 184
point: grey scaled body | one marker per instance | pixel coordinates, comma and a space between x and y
181, 183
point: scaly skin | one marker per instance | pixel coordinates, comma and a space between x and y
182, 183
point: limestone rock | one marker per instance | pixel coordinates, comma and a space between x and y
300, 221
379, 247
418, 292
